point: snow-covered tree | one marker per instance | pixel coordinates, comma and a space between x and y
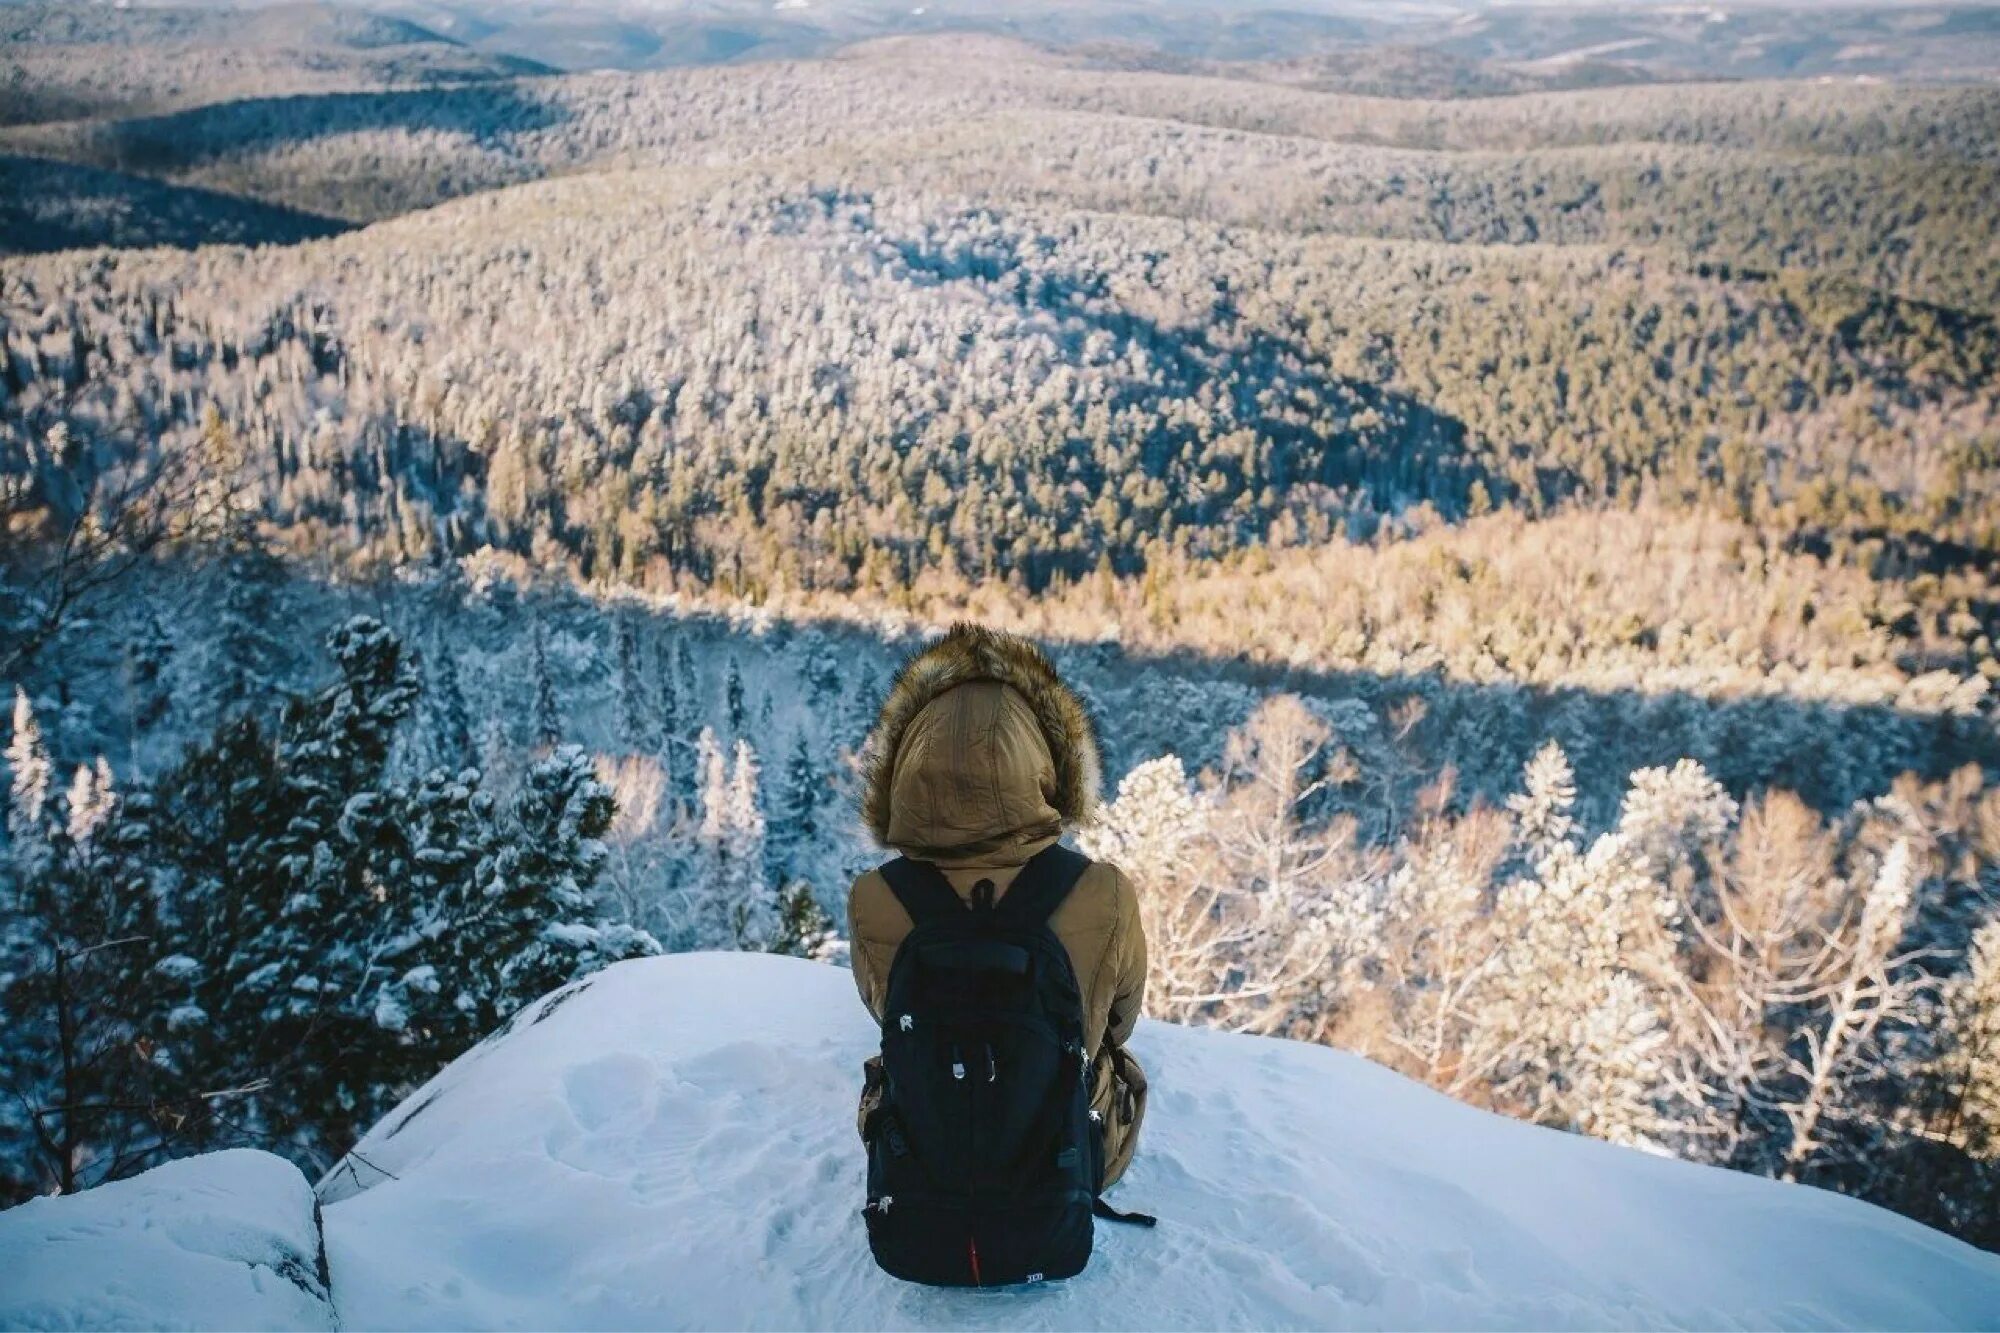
1754, 956
1871, 986
634, 729
1672, 816
1438, 949
539, 925
450, 720
1544, 809
1969, 1067
796, 840
753, 907
249, 654
1567, 1017
1217, 951
32, 775
547, 730
1286, 860
729, 902
149, 655
78, 936
733, 698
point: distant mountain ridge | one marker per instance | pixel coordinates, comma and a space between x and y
61, 62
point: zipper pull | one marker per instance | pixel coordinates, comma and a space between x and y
992, 1069
957, 1064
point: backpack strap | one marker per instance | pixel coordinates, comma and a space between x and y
1104, 1210
922, 889
1042, 884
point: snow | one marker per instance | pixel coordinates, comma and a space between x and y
671, 1143
226, 1240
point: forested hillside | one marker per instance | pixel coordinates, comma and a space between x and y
1535, 556
74, 61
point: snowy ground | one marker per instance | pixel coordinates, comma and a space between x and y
672, 1145
221, 1241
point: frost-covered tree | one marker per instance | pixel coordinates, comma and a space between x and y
1567, 1015
733, 698
1871, 988
804, 930
1672, 816
539, 926
1286, 859
752, 905
422, 991
31, 778
795, 841
1754, 957
332, 936
149, 655
1217, 951
450, 720
1439, 947
249, 655
687, 683
1968, 1071
1544, 809
547, 729
81, 1100
634, 727
729, 902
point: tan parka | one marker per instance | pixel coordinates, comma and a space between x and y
980, 758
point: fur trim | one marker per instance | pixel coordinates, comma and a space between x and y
968, 653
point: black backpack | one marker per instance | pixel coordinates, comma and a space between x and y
983, 1159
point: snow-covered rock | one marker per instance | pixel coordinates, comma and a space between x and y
671, 1144
226, 1240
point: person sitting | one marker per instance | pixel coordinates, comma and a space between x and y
980, 759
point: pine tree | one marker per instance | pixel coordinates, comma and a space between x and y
252, 656
729, 905
449, 836
318, 963
822, 672
632, 709
286, 855
32, 775
451, 722
753, 907
148, 658
688, 683
1545, 809
78, 937
1969, 1069
804, 930
676, 747
670, 701
1671, 817
548, 725
795, 834
733, 698
540, 927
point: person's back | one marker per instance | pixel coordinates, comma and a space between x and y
980, 758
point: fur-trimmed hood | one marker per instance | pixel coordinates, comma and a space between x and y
980, 746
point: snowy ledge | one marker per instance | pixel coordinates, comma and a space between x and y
671, 1144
